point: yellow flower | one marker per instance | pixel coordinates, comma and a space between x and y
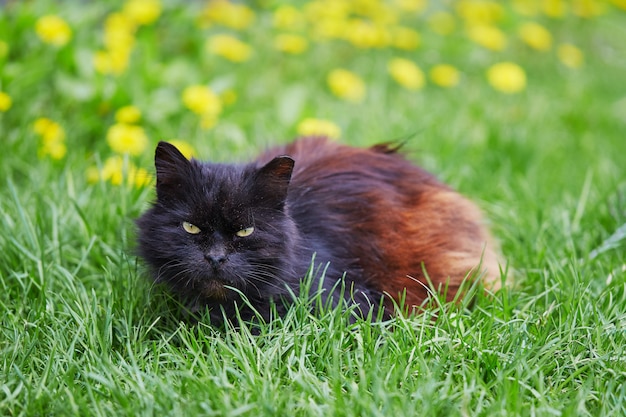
445, 75
49, 130
111, 62
127, 139
406, 73
232, 15
288, 17
56, 150
442, 23
480, 12
184, 147
405, 38
554, 8
142, 12
535, 36
346, 85
364, 34
291, 44
619, 3
489, 37
588, 8
201, 100
5, 101
139, 177
318, 127
128, 115
53, 30
113, 170
507, 77
570, 55
229, 47
526, 7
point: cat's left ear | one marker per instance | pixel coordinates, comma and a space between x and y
272, 180
172, 169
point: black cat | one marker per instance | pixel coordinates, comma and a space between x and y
217, 231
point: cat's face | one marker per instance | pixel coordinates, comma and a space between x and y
217, 227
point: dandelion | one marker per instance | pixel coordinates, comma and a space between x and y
5, 101
184, 147
287, 17
127, 139
619, 3
480, 12
406, 73
442, 23
318, 127
535, 36
225, 13
588, 8
138, 177
489, 37
570, 55
142, 12
445, 75
364, 34
405, 38
52, 137
507, 77
201, 100
291, 44
128, 115
554, 8
346, 85
229, 47
111, 62
113, 170
53, 30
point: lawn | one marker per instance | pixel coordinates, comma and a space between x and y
520, 105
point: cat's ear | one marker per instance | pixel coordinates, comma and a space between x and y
171, 169
272, 181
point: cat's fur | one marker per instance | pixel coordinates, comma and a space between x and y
367, 213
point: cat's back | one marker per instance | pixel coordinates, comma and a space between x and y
391, 217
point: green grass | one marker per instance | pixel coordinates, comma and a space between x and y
82, 331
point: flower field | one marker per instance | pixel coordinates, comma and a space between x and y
519, 104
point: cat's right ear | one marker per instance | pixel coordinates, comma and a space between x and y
171, 169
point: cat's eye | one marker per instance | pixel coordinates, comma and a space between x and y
191, 228
245, 232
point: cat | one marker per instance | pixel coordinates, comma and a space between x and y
217, 232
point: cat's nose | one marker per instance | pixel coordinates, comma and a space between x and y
215, 258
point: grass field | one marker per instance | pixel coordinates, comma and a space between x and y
520, 105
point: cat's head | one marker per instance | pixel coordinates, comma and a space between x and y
215, 226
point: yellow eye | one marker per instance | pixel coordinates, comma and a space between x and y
190, 228
245, 232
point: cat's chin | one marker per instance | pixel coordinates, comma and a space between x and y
214, 289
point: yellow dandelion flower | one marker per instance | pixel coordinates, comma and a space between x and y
445, 75
588, 8
4, 49
119, 39
127, 139
405, 38
570, 55
128, 115
364, 34
53, 30
535, 36
442, 23
287, 17
346, 85
291, 44
555, 8
184, 147
480, 12
406, 73
229, 47
507, 77
318, 127
50, 131
138, 177
225, 13
5, 101
56, 150
489, 37
142, 12
201, 100
113, 170
526, 7
111, 61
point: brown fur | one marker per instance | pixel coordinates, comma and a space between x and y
397, 217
